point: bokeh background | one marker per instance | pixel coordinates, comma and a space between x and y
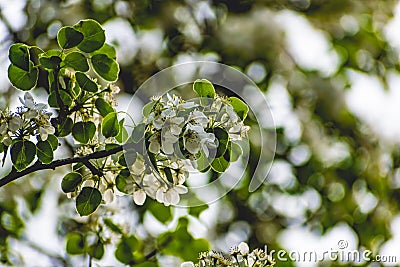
330, 72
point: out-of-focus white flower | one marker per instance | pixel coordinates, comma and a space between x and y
243, 248
187, 264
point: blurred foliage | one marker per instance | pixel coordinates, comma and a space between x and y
341, 160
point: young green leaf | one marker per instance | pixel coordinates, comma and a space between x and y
22, 79
71, 181
235, 151
124, 181
83, 131
148, 108
96, 250
86, 83
239, 107
160, 211
52, 62
19, 56
107, 50
75, 244
110, 125
44, 151
126, 248
223, 139
123, 133
65, 98
205, 90
105, 67
76, 61
220, 164
93, 35
22, 154
65, 128
138, 132
53, 141
88, 200
68, 37
103, 107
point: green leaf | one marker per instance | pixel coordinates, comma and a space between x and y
160, 211
239, 107
65, 128
44, 152
22, 154
51, 63
96, 250
107, 50
105, 67
76, 61
75, 244
195, 211
93, 35
34, 53
65, 98
138, 132
205, 90
53, 140
103, 107
148, 108
68, 37
19, 56
113, 227
83, 131
110, 125
235, 151
121, 181
86, 83
71, 181
123, 133
22, 79
126, 248
88, 200
223, 139
219, 164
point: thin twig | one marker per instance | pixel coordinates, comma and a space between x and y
37, 166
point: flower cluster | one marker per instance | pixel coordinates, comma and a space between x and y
239, 256
31, 119
178, 133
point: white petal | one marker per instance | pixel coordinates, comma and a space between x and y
139, 197
108, 196
181, 189
160, 195
172, 197
154, 147
167, 147
243, 248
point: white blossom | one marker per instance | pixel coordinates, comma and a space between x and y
243, 248
29, 103
139, 196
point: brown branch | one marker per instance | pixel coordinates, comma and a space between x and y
37, 166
